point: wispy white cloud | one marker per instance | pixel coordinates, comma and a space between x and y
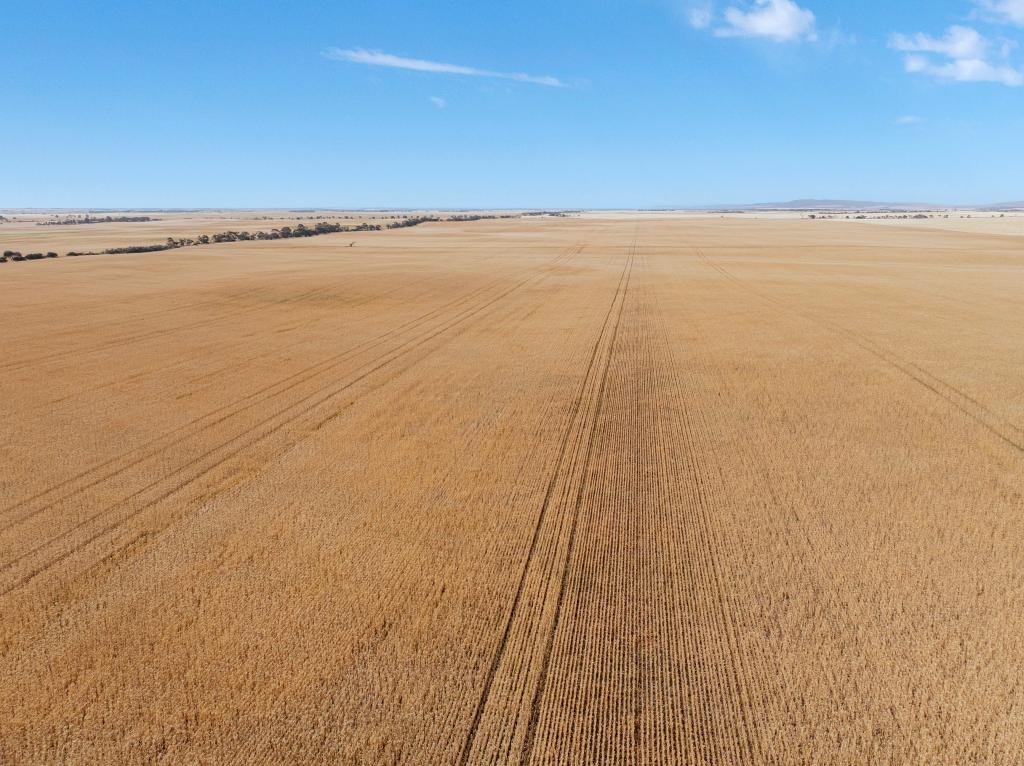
967, 70
700, 15
964, 55
1007, 11
379, 58
439, 102
958, 43
909, 119
778, 20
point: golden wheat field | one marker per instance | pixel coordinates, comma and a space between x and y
616, 490
26, 231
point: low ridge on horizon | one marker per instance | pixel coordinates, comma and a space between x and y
840, 204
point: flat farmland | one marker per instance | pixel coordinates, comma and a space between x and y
536, 491
24, 232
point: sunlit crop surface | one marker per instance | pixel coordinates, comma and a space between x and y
614, 490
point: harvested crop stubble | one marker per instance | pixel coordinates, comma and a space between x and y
537, 491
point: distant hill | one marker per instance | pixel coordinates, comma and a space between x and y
867, 206
1004, 206
839, 204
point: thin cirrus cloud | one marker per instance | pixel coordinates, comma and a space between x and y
961, 55
381, 59
700, 16
781, 21
1007, 11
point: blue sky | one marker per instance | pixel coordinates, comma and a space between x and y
562, 103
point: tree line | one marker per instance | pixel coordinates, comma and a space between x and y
288, 232
73, 220
285, 232
15, 255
